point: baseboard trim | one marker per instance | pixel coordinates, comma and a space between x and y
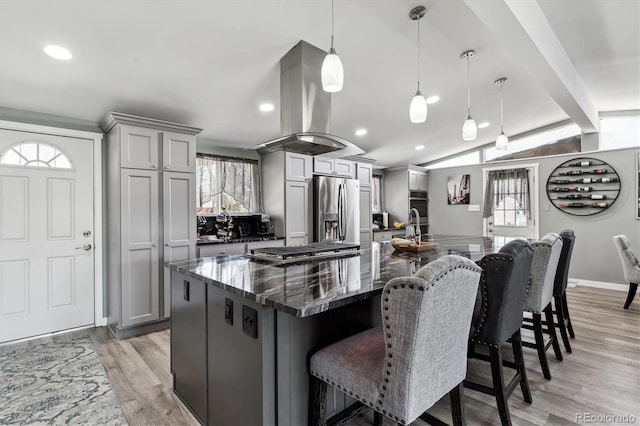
572, 282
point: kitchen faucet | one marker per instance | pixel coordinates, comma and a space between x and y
413, 233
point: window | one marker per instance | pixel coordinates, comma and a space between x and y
507, 197
376, 194
35, 154
620, 132
467, 159
560, 140
232, 183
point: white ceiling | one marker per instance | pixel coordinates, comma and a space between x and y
210, 63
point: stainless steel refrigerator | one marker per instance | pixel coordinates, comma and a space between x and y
336, 209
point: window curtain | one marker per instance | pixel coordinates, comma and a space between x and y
500, 183
233, 183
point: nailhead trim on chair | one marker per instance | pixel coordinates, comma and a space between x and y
383, 387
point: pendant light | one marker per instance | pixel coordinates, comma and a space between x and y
469, 128
332, 73
502, 141
418, 107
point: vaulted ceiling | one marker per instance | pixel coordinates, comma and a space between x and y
210, 63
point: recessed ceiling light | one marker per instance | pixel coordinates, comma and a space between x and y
361, 132
266, 107
483, 125
433, 99
58, 52
419, 147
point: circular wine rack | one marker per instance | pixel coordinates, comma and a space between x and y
583, 186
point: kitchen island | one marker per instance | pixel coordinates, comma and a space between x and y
242, 329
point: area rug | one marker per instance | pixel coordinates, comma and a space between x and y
59, 381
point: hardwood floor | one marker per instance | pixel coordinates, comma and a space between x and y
601, 376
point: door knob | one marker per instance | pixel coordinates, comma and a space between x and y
86, 234
85, 247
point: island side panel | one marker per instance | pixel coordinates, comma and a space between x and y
189, 342
297, 338
241, 373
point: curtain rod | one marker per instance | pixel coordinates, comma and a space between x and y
224, 157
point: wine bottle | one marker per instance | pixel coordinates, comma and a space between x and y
599, 205
579, 164
597, 172
584, 180
561, 189
606, 180
583, 189
573, 205
562, 181
597, 197
570, 197
571, 173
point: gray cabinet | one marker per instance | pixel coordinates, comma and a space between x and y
221, 249
286, 189
365, 215
417, 180
297, 216
139, 254
150, 187
363, 174
298, 167
334, 167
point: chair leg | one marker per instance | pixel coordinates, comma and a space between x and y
562, 324
456, 396
565, 307
633, 287
518, 358
377, 419
551, 329
542, 355
498, 386
318, 401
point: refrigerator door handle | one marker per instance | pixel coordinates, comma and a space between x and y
340, 213
344, 212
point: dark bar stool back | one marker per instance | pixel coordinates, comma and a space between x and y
561, 308
502, 288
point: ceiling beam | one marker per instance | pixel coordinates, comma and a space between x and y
523, 29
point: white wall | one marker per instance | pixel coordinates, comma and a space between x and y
594, 257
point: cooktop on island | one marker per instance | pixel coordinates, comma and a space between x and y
301, 253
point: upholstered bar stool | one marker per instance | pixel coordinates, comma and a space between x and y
502, 288
546, 255
630, 266
416, 357
561, 307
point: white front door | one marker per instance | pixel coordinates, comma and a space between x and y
509, 220
46, 234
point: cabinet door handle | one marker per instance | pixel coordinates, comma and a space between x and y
167, 244
153, 166
185, 290
154, 245
166, 167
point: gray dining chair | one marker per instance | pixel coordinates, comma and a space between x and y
561, 307
546, 256
630, 266
416, 357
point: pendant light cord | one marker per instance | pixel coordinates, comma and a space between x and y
501, 120
418, 54
468, 87
332, 24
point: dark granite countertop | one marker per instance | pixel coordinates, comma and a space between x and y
237, 240
308, 288
399, 230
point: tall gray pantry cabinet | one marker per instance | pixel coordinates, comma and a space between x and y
150, 211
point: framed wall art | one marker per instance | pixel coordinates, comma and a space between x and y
458, 189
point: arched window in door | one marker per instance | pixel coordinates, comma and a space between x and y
35, 154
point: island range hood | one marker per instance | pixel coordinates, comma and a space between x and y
305, 109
